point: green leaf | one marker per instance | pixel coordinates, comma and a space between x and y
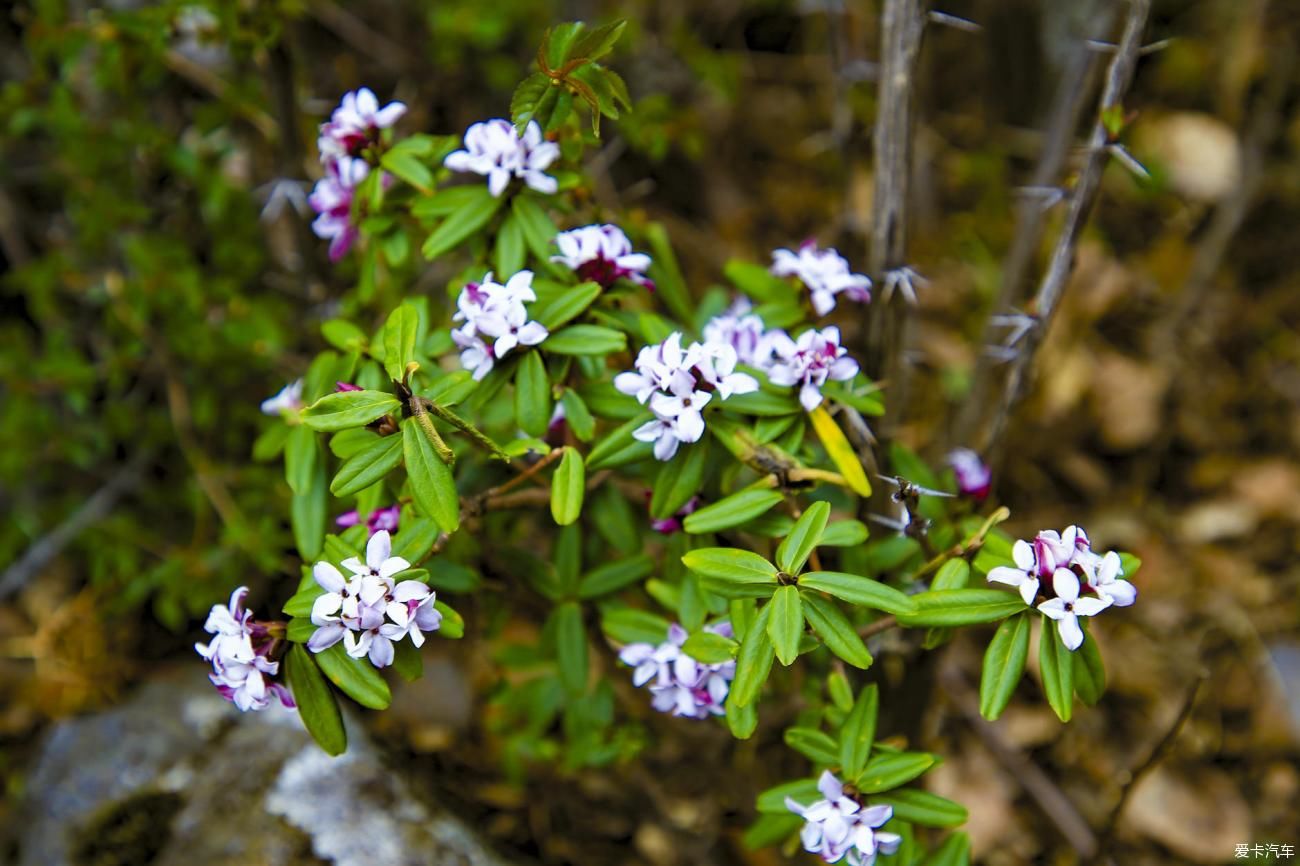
300, 630
415, 539
343, 335
568, 486
409, 168
407, 661
471, 216
734, 510
613, 576
577, 416
891, 769
301, 457
753, 662
728, 565
785, 625
844, 533
802, 791
367, 466
432, 485
861, 591
317, 705
955, 850
595, 44
742, 721
357, 678
922, 807
817, 746
453, 625
794, 551
307, 515
670, 286
300, 603
679, 480
538, 229
629, 625
571, 647
835, 630
763, 404
532, 395
953, 574
1056, 666
399, 343
566, 560
1089, 673
840, 451
1004, 664
349, 409
523, 103
950, 607
619, 448
554, 311
510, 247
710, 648
859, 732
586, 340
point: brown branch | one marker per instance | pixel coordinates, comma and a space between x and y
1054, 803
885, 623
1083, 197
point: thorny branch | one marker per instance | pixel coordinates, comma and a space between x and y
1052, 287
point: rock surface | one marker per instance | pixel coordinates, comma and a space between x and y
177, 777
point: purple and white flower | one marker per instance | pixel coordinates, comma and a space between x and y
745, 332
369, 610
289, 399
809, 362
332, 201
677, 384
670, 525
602, 254
681, 685
496, 311
495, 150
973, 477
356, 124
381, 519
239, 653
825, 273
1072, 580
839, 827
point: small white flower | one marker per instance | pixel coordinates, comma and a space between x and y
1067, 607
289, 399
493, 149
663, 433
681, 685
825, 273
475, 355
684, 410
355, 124
510, 327
809, 362
1104, 578
830, 821
603, 254
973, 476
239, 656
743, 331
716, 364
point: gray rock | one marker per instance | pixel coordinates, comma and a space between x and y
177, 777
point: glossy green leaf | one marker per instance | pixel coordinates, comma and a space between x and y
922, 807
571, 647
409, 168
510, 248
952, 607
858, 590
794, 551
729, 565
471, 216
568, 487
613, 576
835, 630
307, 515
953, 574
407, 661
415, 538
629, 625
741, 721
356, 678
1004, 664
753, 662
1056, 667
301, 457
532, 395
817, 746
618, 448
955, 850
859, 732
349, 409
1089, 673
785, 625
537, 228
586, 340
844, 533
367, 466
565, 306
710, 648
891, 769
432, 485
679, 480
802, 791
734, 510
317, 706
577, 416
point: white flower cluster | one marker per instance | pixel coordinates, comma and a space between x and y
602, 254
239, 656
354, 126
496, 311
289, 399
825, 273
672, 382
839, 827
1063, 558
680, 684
369, 611
495, 150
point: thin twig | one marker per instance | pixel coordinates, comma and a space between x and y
91, 511
1058, 807
885, 623
1067, 109
1052, 287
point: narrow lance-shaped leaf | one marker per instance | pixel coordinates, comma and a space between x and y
953, 607
794, 551
742, 721
785, 625
568, 487
840, 451
399, 340
891, 769
1089, 673
349, 409
355, 677
859, 732
835, 630
922, 807
729, 565
532, 395
432, 484
710, 648
301, 457
859, 590
679, 480
753, 662
317, 705
734, 510
1004, 663
815, 745
1056, 666
367, 466
571, 647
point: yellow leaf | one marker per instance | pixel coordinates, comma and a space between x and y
840, 451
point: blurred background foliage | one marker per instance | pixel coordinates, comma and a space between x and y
158, 282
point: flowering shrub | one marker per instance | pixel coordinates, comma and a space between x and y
562, 374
